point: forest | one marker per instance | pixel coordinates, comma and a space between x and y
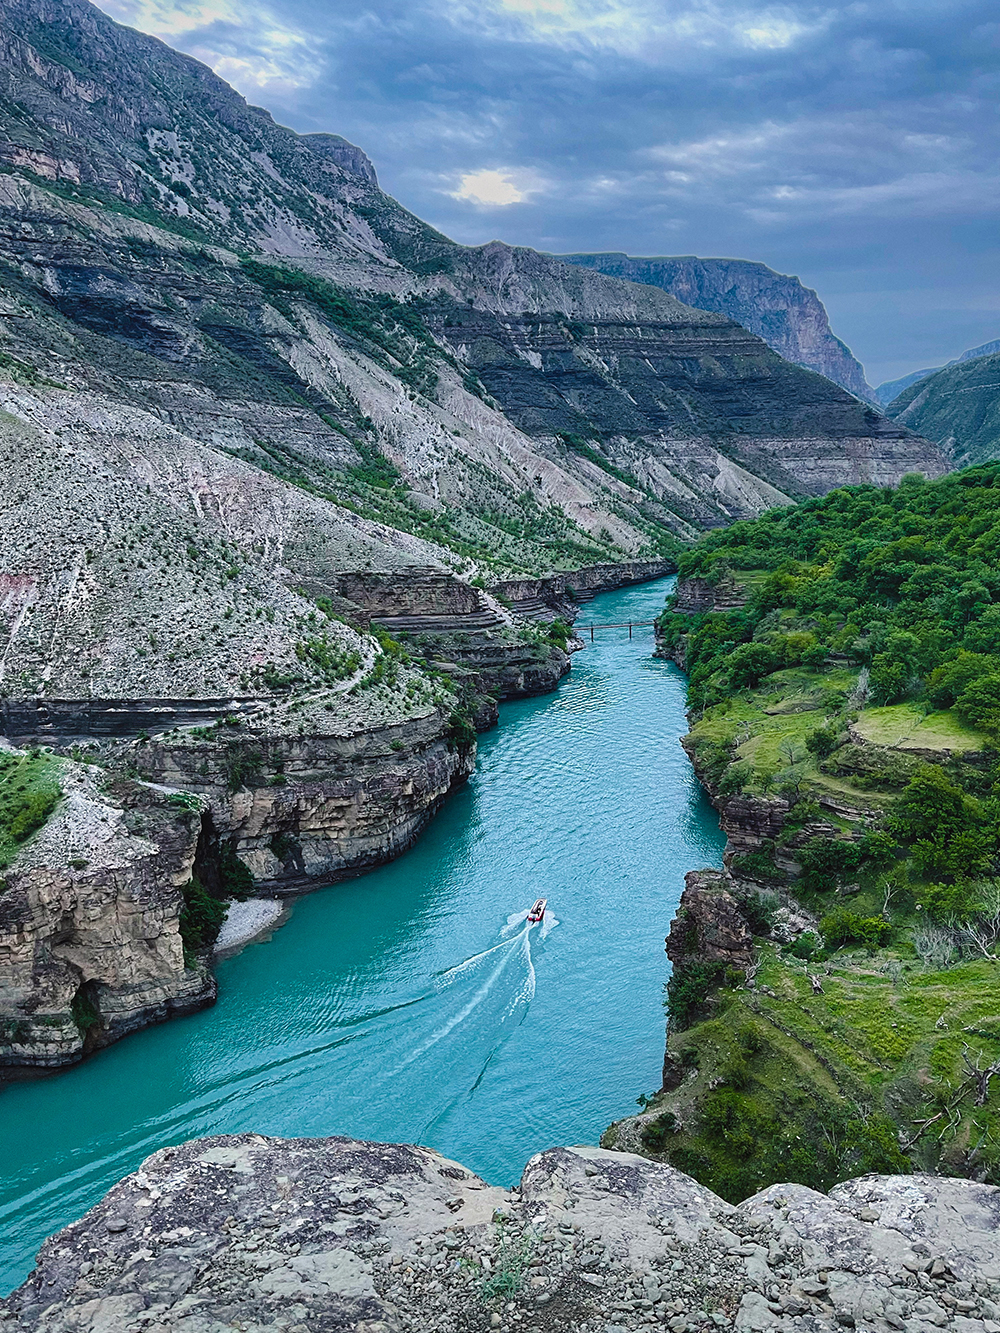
843, 661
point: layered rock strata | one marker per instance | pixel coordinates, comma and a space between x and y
90, 912
788, 316
335, 1234
312, 808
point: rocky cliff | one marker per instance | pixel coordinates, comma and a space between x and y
789, 317
335, 1234
91, 938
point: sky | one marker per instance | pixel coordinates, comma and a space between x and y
853, 145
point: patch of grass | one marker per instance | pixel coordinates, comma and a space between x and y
29, 792
840, 1078
510, 1264
908, 726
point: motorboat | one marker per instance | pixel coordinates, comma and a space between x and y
538, 910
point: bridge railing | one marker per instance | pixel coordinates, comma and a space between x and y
616, 624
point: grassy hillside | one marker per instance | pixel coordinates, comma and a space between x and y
958, 408
846, 718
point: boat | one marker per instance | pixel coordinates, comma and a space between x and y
538, 911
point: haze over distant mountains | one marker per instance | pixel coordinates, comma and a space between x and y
890, 389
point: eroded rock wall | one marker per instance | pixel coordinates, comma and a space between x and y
313, 808
90, 938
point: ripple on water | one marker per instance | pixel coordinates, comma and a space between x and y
391, 1006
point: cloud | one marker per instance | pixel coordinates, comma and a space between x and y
849, 143
496, 188
643, 29
247, 45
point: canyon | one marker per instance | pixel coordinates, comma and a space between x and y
278, 456
297, 491
788, 316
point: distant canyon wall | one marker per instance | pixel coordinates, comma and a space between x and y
778, 308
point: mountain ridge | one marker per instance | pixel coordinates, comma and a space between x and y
890, 390
958, 407
779, 308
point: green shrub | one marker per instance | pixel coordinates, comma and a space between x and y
736, 777
655, 1134
31, 813
757, 910
235, 880
807, 945
688, 990
200, 918
842, 926
559, 632
243, 768
758, 864
84, 1012
822, 741
461, 733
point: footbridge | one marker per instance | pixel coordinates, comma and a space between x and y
630, 625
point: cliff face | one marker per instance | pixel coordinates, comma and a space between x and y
137, 178
90, 922
308, 809
958, 408
789, 317
340, 1234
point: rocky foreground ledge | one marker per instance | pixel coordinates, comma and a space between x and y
328, 1235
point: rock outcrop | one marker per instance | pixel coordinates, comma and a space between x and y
708, 926
789, 317
335, 1234
303, 810
90, 922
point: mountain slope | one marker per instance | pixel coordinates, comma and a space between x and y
202, 302
958, 407
778, 308
891, 389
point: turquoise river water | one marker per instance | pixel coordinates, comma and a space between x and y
413, 1004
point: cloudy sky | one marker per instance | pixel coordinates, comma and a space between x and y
853, 144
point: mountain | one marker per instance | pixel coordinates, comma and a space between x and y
788, 316
168, 246
268, 440
958, 407
891, 389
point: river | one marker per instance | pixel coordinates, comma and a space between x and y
414, 1004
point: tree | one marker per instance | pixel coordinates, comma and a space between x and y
979, 703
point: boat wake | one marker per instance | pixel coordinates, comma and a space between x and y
449, 1036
